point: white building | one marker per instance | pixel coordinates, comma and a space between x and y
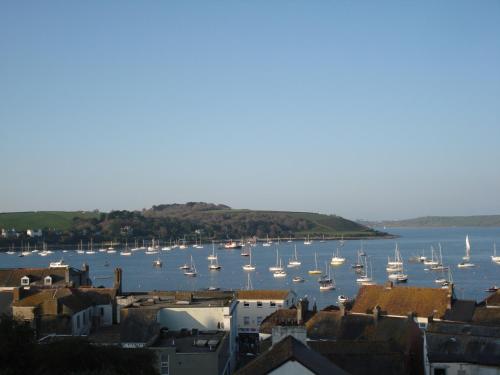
255, 305
34, 233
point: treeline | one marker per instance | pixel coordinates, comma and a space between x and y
193, 220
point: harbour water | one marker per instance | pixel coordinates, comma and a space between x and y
140, 275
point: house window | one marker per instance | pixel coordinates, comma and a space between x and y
259, 320
25, 280
47, 280
164, 364
422, 325
439, 371
246, 320
102, 311
259, 304
246, 304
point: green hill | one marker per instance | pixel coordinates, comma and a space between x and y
59, 220
442, 221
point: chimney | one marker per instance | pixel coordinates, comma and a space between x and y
302, 307
411, 316
118, 281
342, 309
16, 294
376, 314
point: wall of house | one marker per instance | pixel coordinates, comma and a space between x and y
202, 318
81, 322
106, 317
463, 369
249, 317
291, 368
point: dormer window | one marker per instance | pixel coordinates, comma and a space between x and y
47, 281
25, 280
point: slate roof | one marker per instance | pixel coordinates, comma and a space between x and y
363, 357
290, 349
139, 326
461, 311
493, 300
486, 316
456, 342
11, 277
262, 294
399, 300
282, 317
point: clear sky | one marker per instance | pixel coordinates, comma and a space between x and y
374, 109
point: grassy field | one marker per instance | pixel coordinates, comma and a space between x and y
41, 219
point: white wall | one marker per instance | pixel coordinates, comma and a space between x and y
292, 368
202, 318
85, 323
107, 318
469, 369
253, 313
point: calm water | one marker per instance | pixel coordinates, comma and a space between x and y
139, 275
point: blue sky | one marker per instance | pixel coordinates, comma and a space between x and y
374, 110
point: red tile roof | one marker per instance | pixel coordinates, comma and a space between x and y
400, 301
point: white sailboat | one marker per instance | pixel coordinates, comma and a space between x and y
278, 266
280, 273
212, 256
126, 252
214, 264
191, 272
433, 261
397, 258
294, 261
326, 281
307, 241
337, 260
315, 271
268, 243
439, 266
494, 257
364, 278
249, 266
466, 259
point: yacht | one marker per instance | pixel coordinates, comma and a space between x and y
298, 279
212, 256
307, 241
278, 266
268, 242
326, 281
191, 272
342, 299
231, 245
294, 261
249, 266
157, 262
214, 264
466, 259
315, 271
494, 257
58, 264
337, 260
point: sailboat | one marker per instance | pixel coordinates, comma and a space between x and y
157, 262
80, 248
307, 241
244, 251
278, 266
466, 259
126, 251
364, 279
337, 260
397, 258
192, 269
494, 257
326, 282
399, 276
214, 264
231, 245
315, 271
294, 261
433, 261
359, 264
439, 266
91, 250
212, 256
322, 239
268, 243
249, 266
279, 273
290, 240
447, 283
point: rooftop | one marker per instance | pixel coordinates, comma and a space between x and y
399, 300
290, 349
263, 294
190, 341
